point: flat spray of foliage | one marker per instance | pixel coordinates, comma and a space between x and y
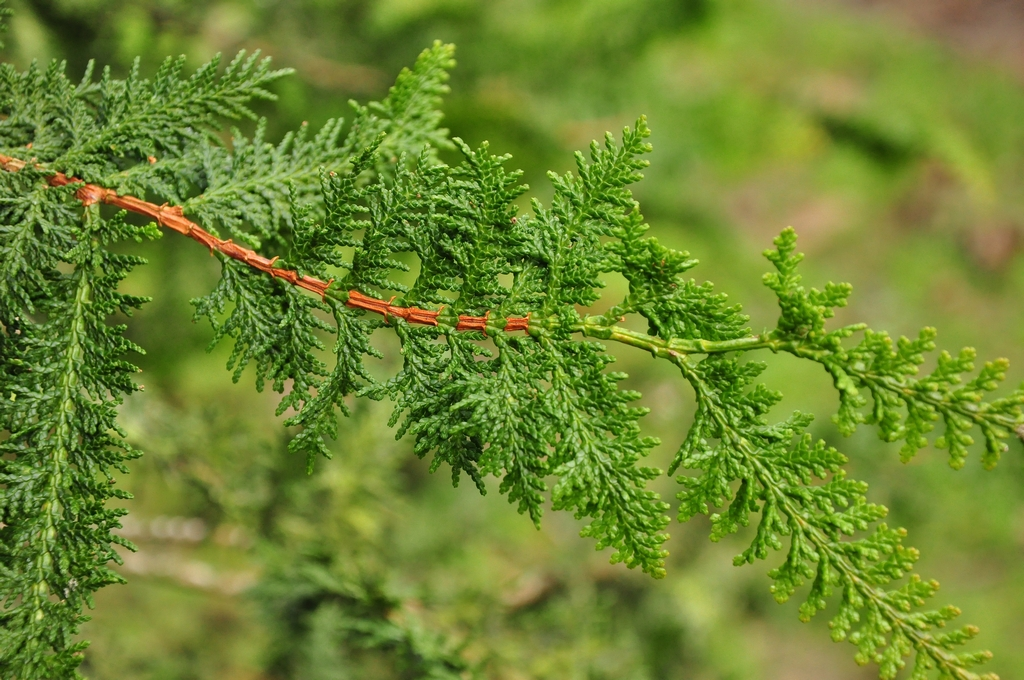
538, 409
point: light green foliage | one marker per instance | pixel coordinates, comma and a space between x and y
534, 409
887, 373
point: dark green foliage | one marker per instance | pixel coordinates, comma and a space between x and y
275, 325
63, 376
92, 128
575, 425
355, 204
249, 189
62, 371
34, 237
332, 621
472, 238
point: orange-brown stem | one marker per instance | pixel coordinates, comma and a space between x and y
172, 217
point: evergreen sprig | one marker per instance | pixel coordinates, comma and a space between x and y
904, 407
63, 376
343, 211
62, 366
543, 405
91, 128
801, 492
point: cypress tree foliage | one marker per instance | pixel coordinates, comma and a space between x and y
502, 374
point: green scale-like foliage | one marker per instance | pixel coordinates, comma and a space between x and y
904, 407
541, 411
62, 373
63, 377
559, 412
542, 408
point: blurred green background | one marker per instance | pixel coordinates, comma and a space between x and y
893, 142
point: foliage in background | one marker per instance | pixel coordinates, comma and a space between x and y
742, 122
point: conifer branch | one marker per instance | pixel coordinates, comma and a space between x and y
995, 422
173, 218
951, 406
543, 405
62, 379
889, 629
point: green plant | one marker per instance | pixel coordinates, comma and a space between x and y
502, 373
